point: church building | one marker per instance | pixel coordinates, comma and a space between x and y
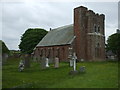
85, 37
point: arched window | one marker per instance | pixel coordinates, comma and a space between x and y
95, 28
48, 52
58, 52
98, 28
63, 51
41, 52
53, 52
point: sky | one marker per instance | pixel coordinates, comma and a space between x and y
16, 17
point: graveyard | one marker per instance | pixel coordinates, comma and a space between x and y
97, 75
56, 45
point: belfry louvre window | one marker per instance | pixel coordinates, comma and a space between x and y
98, 28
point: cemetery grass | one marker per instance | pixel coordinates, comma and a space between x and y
97, 75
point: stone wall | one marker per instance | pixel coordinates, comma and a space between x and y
52, 51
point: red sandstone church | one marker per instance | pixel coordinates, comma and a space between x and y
85, 37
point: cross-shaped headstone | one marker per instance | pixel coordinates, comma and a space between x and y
74, 60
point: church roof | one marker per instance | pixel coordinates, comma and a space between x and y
58, 36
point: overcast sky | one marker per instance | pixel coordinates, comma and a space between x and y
19, 16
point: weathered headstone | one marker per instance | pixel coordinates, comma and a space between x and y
21, 66
56, 62
27, 58
70, 56
43, 63
82, 60
82, 69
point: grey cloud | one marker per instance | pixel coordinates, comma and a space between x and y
11, 43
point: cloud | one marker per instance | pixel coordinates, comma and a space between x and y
18, 17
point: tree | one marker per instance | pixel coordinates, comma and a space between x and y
113, 43
4, 47
30, 39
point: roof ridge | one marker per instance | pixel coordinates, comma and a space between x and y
61, 27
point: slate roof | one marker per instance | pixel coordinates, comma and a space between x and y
58, 36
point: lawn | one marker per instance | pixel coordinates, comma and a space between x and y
98, 75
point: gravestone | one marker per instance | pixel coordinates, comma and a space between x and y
74, 61
43, 63
21, 66
27, 58
74, 71
71, 61
56, 62
82, 69
47, 62
82, 60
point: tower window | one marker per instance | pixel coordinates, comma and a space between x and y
95, 28
98, 28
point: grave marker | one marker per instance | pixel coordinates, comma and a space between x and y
56, 62
43, 63
47, 61
74, 60
74, 71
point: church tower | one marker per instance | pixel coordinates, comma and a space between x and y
89, 32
